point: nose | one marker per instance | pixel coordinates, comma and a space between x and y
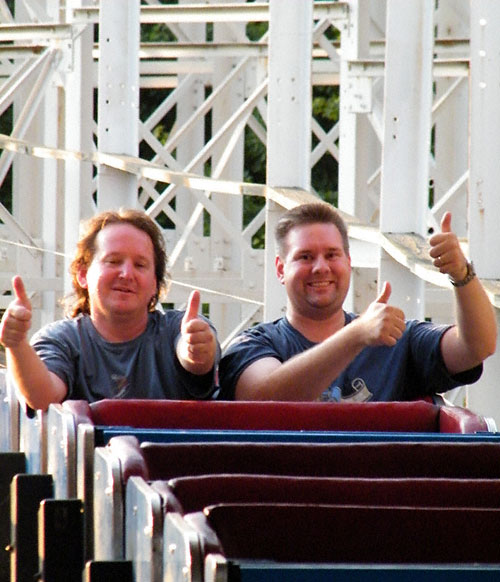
126, 270
320, 263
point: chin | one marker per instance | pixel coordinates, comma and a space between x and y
325, 308
123, 307
322, 302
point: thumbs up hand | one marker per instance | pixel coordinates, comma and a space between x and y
197, 346
383, 324
446, 252
16, 320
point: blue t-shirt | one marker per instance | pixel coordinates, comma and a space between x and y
145, 367
412, 368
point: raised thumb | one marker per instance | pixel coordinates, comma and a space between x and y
20, 291
446, 222
385, 293
193, 306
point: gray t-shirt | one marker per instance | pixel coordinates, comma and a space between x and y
145, 367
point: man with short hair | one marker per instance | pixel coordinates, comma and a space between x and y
318, 351
115, 342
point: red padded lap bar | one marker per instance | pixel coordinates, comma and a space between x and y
409, 459
193, 493
416, 416
326, 533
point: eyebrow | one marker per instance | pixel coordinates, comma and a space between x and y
310, 250
121, 254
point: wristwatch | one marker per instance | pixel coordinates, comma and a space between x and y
468, 277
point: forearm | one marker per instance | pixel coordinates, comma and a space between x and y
38, 386
305, 376
476, 320
473, 339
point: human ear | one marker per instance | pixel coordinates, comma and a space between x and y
279, 269
81, 277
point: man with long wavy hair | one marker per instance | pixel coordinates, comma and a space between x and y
114, 342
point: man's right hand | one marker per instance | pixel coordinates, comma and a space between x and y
16, 321
383, 324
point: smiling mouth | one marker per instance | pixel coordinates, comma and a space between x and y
320, 284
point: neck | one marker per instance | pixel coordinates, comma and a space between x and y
119, 329
316, 330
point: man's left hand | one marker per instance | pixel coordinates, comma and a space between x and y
446, 251
197, 344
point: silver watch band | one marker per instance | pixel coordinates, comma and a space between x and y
468, 277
